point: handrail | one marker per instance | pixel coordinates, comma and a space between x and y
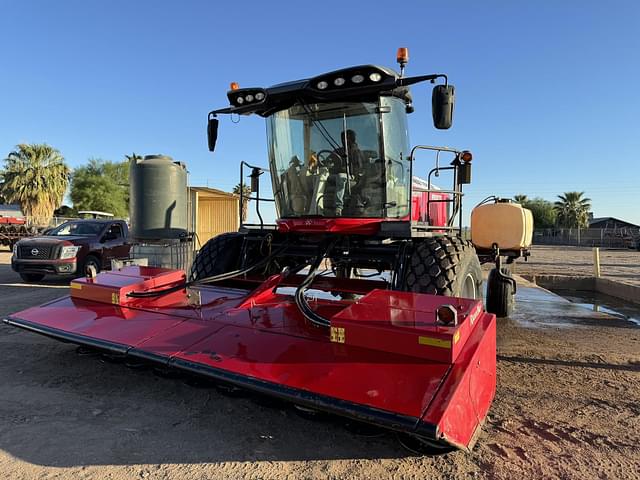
257, 197
456, 191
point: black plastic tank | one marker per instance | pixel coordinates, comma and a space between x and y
158, 198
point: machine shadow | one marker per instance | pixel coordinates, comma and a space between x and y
90, 412
569, 363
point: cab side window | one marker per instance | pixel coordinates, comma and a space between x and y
114, 232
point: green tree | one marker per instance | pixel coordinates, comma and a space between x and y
36, 177
245, 205
65, 211
572, 210
543, 211
102, 185
520, 198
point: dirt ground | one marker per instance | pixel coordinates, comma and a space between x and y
618, 265
567, 406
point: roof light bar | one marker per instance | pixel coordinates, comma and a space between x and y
350, 78
244, 96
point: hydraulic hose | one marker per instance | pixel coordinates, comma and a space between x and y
214, 278
300, 299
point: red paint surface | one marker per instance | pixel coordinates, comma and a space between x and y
405, 323
429, 207
355, 226
114, 287
13, 220
466, 394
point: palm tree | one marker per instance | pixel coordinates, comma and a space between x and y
246, 193
520, 198
572, 210
36, 177
133, 157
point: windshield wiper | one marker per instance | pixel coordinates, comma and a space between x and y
320, 126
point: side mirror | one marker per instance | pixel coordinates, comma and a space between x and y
212, 132
442, 103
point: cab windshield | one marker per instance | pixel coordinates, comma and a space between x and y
327, 159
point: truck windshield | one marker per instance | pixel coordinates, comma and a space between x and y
326, 160
77, 228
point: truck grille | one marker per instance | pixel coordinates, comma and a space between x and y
36, 253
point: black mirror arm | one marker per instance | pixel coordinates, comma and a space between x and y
405, 82
220, 111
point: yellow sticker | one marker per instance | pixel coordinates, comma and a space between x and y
337, 334
115, 299
76, 285
434, 342
456, 337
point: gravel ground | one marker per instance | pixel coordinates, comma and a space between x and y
567, 406
618, 265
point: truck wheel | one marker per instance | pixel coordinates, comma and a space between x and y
444, 266
500, 297
31, 277
219, 255
90, 260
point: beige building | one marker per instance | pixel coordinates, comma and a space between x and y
213, 212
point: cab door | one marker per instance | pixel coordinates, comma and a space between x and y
114, 245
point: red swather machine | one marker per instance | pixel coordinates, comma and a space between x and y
351, 304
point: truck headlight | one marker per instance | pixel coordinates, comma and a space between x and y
69, 252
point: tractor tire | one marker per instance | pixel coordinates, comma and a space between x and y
445, 266
221, 254
500, 296
31, 277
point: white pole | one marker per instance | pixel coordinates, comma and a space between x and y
596, 262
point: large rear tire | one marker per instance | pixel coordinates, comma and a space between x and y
221, 254
500, 296
445, 266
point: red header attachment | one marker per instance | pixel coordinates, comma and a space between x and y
411, 324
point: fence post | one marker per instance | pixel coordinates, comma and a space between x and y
596, 262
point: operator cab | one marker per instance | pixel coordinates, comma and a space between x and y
338, 143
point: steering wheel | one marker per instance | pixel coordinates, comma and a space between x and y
324, 158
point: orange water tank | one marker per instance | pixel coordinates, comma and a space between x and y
508, 225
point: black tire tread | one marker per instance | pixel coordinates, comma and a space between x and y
83, 268
219, 255
435, 263
500, 298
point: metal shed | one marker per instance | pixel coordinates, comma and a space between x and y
213, 212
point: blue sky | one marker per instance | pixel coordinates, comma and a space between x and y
547, 91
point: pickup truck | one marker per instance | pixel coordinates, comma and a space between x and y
70, 248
